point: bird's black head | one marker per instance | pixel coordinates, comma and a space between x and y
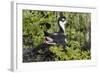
62, 19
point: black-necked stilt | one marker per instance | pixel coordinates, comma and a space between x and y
57, 37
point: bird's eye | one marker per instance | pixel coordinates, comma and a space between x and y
63, 19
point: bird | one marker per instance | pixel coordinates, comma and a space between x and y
57, 37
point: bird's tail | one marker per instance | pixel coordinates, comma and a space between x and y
46, 33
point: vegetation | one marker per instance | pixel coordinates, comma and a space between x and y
77, 31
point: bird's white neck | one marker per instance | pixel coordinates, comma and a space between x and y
62, 24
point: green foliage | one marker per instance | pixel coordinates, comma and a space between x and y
76, 33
